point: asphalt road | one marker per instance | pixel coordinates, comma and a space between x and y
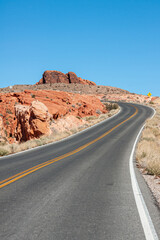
86, 194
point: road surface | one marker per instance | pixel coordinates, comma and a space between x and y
79, 188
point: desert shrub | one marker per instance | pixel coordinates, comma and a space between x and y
5, 132
149, 139
110, 106
7, 123
8, 111
98, 111
153, 167
3, 143
39, 142
79, 104
143, 155
90, 118
73, 130
33, 95
156, 132
3, 152
114, 106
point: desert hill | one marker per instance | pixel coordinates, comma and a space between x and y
29, 111
55, 80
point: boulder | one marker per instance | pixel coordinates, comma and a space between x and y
32, 121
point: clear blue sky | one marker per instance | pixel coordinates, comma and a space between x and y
111, 42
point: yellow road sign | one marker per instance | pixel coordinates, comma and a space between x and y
149, 94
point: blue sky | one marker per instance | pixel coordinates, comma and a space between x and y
111, 42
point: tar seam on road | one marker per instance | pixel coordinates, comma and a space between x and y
20, 175
146, 221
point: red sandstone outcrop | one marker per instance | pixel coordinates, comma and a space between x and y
59, 104
59, 77
32, 121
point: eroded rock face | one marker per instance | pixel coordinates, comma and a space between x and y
32, 121
59, 104
59, 77
2, 131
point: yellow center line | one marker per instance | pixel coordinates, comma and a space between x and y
17, 176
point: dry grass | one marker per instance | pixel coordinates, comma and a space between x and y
15, 147
148, 149
3, 152
89, 121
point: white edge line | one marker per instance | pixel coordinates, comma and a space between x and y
146, 221
64, 139
153, 113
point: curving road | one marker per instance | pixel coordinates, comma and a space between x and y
79, 188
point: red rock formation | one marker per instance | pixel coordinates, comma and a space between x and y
59, 104
59, 77
32, 121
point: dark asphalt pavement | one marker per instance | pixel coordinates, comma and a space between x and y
86, 196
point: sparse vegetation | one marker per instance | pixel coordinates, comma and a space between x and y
98, 111
143, 155
148, 149
109, 106
153, 167
151, 102
3, 152
7, 123
8, 111
89, 118
33, 95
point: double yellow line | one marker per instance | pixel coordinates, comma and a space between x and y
17, 176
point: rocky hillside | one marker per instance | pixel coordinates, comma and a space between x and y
50, 77
73, 88
23, 118
69, 82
